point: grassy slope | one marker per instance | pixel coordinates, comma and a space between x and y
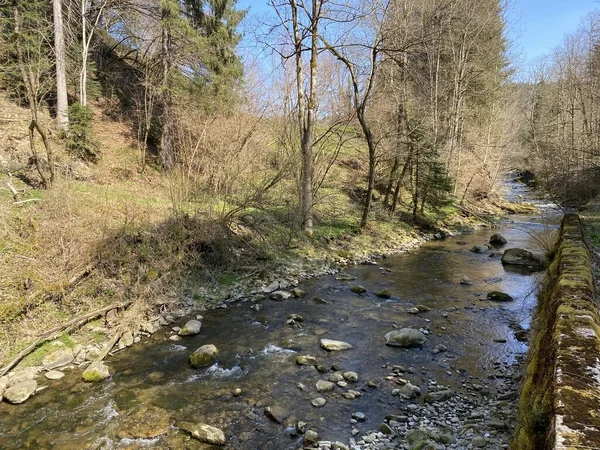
113, 235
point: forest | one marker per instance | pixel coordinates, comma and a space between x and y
145, 152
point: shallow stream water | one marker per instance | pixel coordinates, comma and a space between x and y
258, 352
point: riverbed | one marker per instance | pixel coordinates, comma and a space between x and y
471, 352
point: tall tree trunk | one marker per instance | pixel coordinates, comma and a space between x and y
62, 105
306, 112
167, 155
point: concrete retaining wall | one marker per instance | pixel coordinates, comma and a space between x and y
560, 398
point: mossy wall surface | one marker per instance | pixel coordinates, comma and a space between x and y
560, 397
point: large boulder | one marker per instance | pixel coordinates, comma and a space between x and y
191, 328
58, 358
204, 433
334, 346
97, 371
20, 392
524, 258
497, 240
497, 296
205, 356
405, 337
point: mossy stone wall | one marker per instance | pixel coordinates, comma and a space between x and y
560, 397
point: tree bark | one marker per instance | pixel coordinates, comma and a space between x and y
62, 105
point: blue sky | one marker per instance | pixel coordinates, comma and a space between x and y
536, 26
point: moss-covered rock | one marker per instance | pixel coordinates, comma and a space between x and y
97, 371
203, 357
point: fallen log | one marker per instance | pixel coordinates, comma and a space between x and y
53, 333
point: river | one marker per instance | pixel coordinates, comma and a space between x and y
154, 385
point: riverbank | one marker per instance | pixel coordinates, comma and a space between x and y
159, 265
468, 363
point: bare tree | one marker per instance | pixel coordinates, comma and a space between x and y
62, 104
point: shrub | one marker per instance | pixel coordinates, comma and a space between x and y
80, 142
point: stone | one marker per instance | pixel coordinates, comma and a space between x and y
324, 386
358, 289
27, 373
318, 402
298, 293
384, 293
280, 295
410, 391
497, 296
310, 437
335, 346
20, 392
296, 318
479, 442
271, 288
439, 396
237, 392
466, 281
480, 249
522, 335
320, 301
405, 337
339, 446
305, 360
352, 377
127, 339
524, 258
97, 371
54, 375
336, 377
204, 356
386, 429
497, 240
360, 417
58, 358
277, 413
191, 328
204, 433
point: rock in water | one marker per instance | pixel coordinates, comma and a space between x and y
439, 396
204, 433
497, 296
480, 249
277, 413
20, 392
310, 437
318, 402
306, 360
384, 293
191, 328
54, 375
203, 357
497, 240
358, 289
280, 295
97, 371
324, 386
334, 346
466, 281
521, 257
298, 293
405, 337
